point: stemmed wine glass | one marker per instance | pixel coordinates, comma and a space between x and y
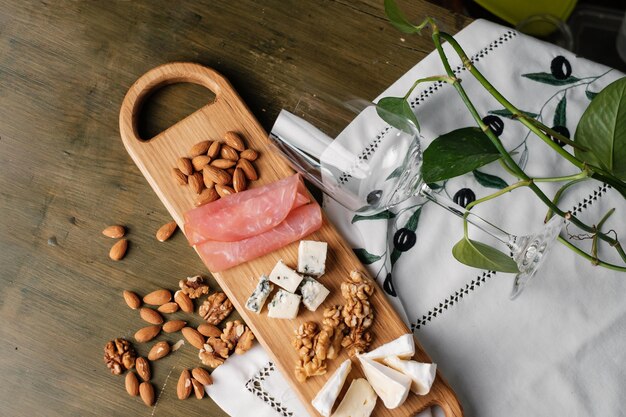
350, 152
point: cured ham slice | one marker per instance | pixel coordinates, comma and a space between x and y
302, 221
246, 214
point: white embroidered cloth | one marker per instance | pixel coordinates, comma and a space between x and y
557, 350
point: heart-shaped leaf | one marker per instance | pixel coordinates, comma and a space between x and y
602, 130
479, 255
397, 18
397, 112
456, 153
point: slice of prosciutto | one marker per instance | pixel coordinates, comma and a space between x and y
302, 221
242, 215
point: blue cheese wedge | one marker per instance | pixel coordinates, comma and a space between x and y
260, 294
326, 397
391, 386
285, 277
313, 293
422, 374
284, 305
312, 257
359, 401
403, 347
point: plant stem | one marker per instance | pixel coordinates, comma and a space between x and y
443, 78
579, 176
589, 257
557, 197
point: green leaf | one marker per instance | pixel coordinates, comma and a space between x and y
590, 94
560, 118
397, 18
414, 219
397, 112
365, 257
434, 186
547, 78
479, 255
456, 153
602, 130
395, 255
382, 215
506, 113
488, 180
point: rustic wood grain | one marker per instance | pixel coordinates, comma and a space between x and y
64, 69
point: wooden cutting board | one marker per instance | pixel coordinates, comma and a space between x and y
156, 158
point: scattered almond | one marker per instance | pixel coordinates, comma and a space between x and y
179, 176
239, 180
229, 153
196, 182
115, 231
184, 386
157, 297
249, 154
248, 169
206, 196
202, 375
209, 330
216, 175
233, 140
198, 388
146, 334
132, 384
132, 299
183, 301
199, 148
174, 326
193, 337
185, 165
166, 231
159, 350
146, 392
223, 163
200, 162
118, 251
224, 190
150, 315
168, 308
143, 368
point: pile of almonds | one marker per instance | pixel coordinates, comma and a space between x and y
214, 169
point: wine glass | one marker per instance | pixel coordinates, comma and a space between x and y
353, 153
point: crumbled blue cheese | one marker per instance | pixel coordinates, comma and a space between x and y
260, 294
285, 277
313, 293
312, 257
284, 305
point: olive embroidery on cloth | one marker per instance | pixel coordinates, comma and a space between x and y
560, 68
404, 239
374, 197
464, 196
388, 286
563, 131
495, 124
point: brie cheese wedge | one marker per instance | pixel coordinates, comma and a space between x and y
326, 397
422, 374
359, 401
402, 347
391, 386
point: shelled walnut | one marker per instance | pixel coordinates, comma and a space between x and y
232, 332
333, 328
357, 313
215, 308
219, 346
194, 286
245, 342
119, 355
310, 363
209, 358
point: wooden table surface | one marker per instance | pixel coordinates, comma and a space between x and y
64, 69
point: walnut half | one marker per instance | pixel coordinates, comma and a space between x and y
216, 308
119, 355
209, 358
194, 287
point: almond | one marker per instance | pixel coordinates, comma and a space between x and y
150, 315
184, 386
193, 336
202, 375
166, 231
116, 231
224, 190
196, 182
214, 150
118, 251
132, 299
168, 308
157, 297
223, 163
159, 350
143, 368
208, 182
239, 180
146, 392
183, 301
209, 330
200, 162
179, 176
199, 148
132, 384
231, 171
206, 196
249, 154
185, 166
229, 153
173, 326
216, 175
248, 169
146, 334
233, 140
198, 388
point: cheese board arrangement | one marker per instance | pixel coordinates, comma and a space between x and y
294, 280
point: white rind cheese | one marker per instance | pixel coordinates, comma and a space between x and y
313, 293
260, 294
284, 305
402, 347
391, 386
312, 257
326, 397
285, 277
359, 401
422, 374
